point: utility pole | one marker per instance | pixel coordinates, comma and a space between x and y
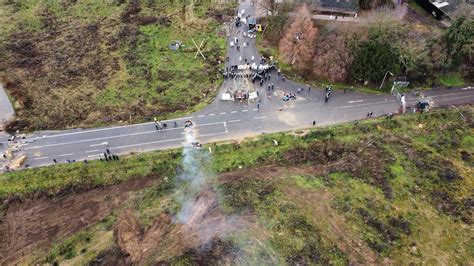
388, 72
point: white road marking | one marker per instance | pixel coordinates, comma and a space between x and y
110, 128
223, 113
455, 98
243, 111
365, 104
99, 144
41, 158
448, 94
212, 114
260, 117
233, 112
409, 100
200, 115
92, 151
94, 155
65, 154
214, 134
233, 121
255, 109
165, 140
117, 136
467, 88
356, 101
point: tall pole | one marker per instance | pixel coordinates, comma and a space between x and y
384, 77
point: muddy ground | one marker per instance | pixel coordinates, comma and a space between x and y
31, 224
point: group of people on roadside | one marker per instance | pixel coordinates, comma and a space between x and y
328, 93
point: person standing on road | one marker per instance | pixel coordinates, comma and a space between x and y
175, 124
314, 122
258, 106
327, 97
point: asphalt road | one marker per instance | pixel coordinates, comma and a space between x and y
227, 120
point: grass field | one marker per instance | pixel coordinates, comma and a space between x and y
87, 63
451, 80
383, 191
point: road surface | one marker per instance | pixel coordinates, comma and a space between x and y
227, 120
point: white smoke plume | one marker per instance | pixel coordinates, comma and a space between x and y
193, 178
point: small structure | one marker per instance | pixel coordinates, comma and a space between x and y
342, 7
175, 45
329, 7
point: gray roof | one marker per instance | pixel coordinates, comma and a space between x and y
352, 5
445, 5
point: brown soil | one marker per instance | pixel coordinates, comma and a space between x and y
31, 224
166, 238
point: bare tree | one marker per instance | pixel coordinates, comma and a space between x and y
297, 44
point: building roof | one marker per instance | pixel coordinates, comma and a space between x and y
445, 5
350, 5
448, 6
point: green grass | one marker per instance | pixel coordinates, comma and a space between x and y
56, 178
309, 182
451, 80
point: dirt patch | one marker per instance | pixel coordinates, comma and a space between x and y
168, 238
31, 224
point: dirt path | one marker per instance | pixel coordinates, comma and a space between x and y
31, 224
